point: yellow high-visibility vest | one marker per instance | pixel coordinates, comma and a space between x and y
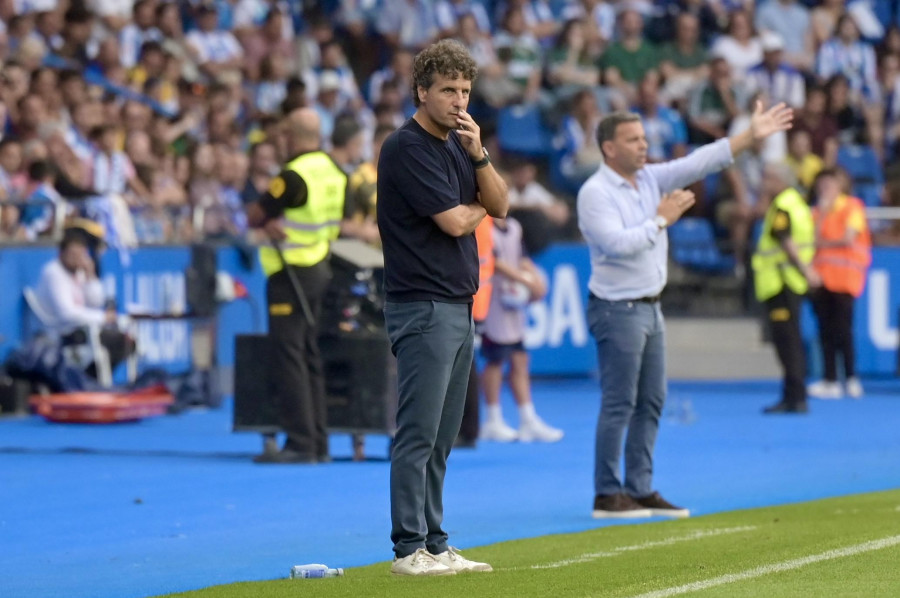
311, 227
771, 267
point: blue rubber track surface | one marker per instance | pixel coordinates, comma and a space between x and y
174, 503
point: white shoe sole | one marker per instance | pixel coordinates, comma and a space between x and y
483, 568
424, 573
671, 513
636, 514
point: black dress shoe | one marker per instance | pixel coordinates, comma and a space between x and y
783, 407
285, 456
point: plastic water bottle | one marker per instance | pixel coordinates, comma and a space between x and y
314, 571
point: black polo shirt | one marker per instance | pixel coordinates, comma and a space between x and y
420, 175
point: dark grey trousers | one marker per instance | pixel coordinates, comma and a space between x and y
433, 343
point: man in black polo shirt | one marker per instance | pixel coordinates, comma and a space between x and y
435, 184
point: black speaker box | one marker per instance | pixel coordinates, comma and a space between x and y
14, 394
360, 380
360, 383
255, 409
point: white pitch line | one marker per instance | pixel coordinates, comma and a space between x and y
774, 568
695, 535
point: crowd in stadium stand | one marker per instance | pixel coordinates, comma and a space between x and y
162, 118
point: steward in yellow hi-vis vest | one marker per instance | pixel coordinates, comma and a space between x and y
788, 216
311, 226
782, 275
301, 213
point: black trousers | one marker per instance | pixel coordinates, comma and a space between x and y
834, 311
297, 373
783, 311
118, 345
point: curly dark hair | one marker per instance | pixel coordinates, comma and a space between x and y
447, 58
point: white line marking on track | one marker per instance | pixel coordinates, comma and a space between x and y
774, 568
695, 535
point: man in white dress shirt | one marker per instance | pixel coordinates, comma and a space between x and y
623, 211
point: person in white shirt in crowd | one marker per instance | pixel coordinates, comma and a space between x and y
516, 283
249, 14
526, 193
740, 46
399, 69
774, 77
48, 25
115, 14
113, 172
335, 61
141, 29
539, 18
845, 53
407, 23
579, 153
85, 117
740, 212
71, 294
789, 19
215, 50
520, 53
448, 13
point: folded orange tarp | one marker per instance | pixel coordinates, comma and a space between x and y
103, 407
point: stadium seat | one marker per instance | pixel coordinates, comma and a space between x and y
864, 168
692, 244
521, 130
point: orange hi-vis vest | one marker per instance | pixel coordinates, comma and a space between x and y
843, 269
484, 236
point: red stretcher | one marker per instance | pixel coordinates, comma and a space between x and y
103, 407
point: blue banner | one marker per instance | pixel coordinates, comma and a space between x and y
149, 281
557, 335
560, 342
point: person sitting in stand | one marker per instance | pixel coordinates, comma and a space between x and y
72, 296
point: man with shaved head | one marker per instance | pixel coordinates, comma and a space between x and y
301, 211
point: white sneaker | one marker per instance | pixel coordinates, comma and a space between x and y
854, 388
421, 562
498, 431
825, 389
537, 431
459, 564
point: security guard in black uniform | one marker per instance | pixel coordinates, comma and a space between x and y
301, 213
783, 273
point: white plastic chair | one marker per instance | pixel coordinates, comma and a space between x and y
79, 354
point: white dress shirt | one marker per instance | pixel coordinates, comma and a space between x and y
628, 250
70, 300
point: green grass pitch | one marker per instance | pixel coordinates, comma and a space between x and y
838, 547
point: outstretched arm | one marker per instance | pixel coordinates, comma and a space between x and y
762, 124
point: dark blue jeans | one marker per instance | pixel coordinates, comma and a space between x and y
631, 345
434, 345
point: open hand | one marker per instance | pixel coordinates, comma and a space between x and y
764, 123
674, 204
